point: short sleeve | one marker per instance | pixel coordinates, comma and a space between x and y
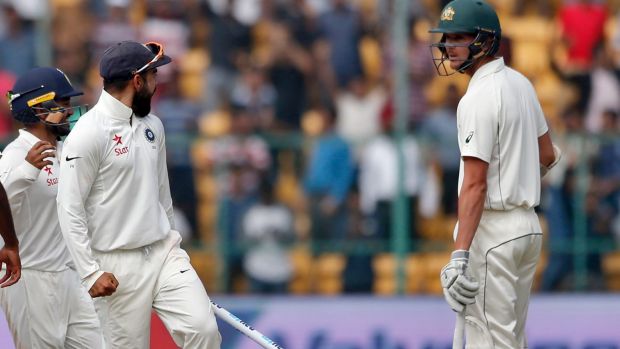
478, 127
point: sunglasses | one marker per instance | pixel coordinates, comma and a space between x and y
157, 49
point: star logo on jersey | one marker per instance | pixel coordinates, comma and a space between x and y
48, 170
471, 134
447, 14
117, 139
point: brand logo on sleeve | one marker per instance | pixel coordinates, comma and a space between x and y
471, 134
149, 135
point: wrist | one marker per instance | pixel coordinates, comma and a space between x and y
11, 245
460, 255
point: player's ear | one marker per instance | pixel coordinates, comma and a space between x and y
137, 81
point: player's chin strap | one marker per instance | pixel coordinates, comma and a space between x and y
557, 153
477, 49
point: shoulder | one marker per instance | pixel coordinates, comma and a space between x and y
14, 154
154, 123
87, 131
153, 120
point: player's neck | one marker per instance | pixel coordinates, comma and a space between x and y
41, 132
478, 64
125, 96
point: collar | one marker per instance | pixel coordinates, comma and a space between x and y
115, 108
28, 137
491, 67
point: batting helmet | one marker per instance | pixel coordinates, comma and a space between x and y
474, 17
37, 87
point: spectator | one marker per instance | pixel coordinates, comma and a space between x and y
256, 96
327, 181
229, 42
605, 193
605, 89
268, 228
439, 133
582, 26
359, 108
378, 178
239, 160
179, 117
114, 27
340, 27
17, 46
289, 66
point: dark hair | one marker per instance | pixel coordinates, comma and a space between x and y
119, 84
115, 85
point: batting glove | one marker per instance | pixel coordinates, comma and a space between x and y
459, 286
557, 152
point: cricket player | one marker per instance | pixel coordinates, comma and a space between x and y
505, 148
116, 212
49, 308
9, 253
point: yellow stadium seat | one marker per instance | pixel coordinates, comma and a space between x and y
328, 269
434, 262
301, 282
384, 266
415, 271
611, 270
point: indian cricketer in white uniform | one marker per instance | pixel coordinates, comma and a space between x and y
505, 149
48, 308
116, 213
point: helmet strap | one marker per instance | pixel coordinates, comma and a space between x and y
479, 48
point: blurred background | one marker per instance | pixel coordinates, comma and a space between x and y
312, 152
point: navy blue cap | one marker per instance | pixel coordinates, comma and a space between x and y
121, 60
36, 86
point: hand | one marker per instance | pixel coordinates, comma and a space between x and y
10, 256
39, 152
557, 152
105, 285
459, 286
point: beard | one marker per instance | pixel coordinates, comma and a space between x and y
141, 104
59, 130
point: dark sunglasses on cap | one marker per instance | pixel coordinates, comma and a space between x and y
157, 49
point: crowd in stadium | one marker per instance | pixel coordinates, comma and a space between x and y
279, 119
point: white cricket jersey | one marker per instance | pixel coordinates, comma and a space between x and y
32, 196
115, 192
499, 121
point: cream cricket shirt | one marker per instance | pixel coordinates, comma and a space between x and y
32, 196
499, 121
115, 192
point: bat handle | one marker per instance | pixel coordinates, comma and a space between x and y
459, 331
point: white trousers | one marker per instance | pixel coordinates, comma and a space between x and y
51, 310
158, 277
503, 257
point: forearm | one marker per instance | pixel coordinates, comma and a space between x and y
75, 233
7, 229
471, 205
